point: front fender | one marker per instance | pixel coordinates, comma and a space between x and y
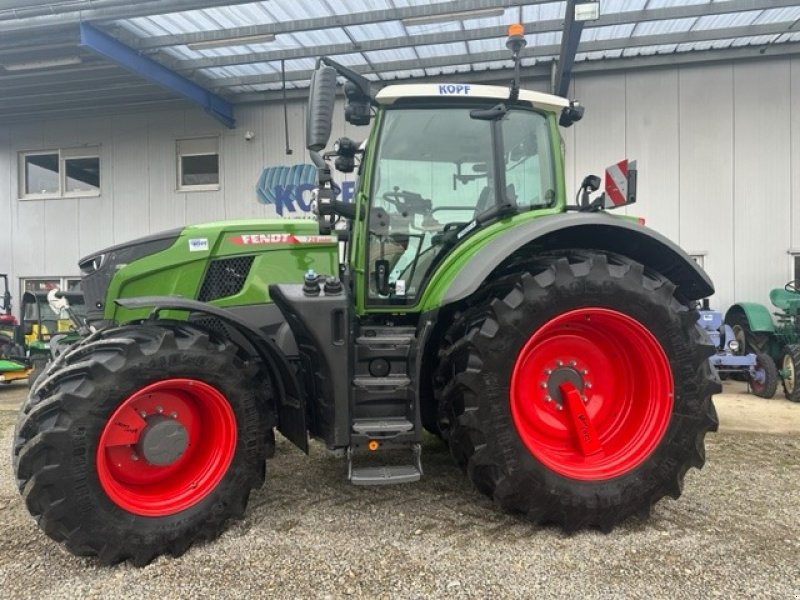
589, 231
290, 400
758, 317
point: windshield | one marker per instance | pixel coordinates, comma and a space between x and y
434, 175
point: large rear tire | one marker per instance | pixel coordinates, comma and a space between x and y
579, 391
142, 442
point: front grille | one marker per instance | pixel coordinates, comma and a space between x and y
225, 277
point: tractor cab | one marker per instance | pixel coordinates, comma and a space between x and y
443, 162
442, 171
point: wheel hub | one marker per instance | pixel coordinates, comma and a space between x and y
561, 375
163, 441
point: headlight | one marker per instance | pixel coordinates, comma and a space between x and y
733, 345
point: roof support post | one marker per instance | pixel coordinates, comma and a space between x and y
569, 47
128, 58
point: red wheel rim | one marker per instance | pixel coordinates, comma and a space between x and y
591, 394
207, 425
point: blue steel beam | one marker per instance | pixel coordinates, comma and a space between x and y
569, 47
117, 52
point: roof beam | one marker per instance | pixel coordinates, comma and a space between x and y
531, 52
358, 18
28, 95
126, 57
63, 13
45, 85
139, 106
90, 96
553, 25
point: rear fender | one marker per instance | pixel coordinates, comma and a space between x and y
290, 401
590, 231
758, 316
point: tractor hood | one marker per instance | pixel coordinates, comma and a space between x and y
207, 262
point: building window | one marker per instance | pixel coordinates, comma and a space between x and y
198, 164
62, 173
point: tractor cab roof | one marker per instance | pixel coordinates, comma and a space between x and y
391, 93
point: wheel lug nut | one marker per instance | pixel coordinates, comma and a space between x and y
588, 385
159, 409
572, 363
585, 372
548, 371
134, 457
560, 363
543, 385
585, 399
143, 414
559, 407
174, 415
548, 399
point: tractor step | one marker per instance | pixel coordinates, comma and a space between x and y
382, 427
385, 474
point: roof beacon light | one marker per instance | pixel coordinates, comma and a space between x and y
516, 37
516, 42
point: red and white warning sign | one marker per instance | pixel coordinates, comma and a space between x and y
617, 179
261, 239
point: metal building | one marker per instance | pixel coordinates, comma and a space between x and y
120, 119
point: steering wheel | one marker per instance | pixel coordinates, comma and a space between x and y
793, 286
407, 202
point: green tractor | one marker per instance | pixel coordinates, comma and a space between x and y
756, 331
554, 348
14, 364
49, 322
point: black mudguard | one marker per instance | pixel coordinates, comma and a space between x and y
290, 401
591, 231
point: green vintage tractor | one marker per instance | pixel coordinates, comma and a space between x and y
553, 347
757, 331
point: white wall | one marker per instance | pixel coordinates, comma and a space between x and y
718, 149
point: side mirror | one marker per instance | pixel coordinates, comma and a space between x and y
319, 115
357, 109
571, 114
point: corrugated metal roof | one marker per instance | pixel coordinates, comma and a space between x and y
236, 48
478, 53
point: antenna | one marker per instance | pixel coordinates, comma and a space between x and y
516, 42
289, 151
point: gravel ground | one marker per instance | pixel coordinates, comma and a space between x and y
308, 533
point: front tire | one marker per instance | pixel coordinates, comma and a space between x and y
142, 442
767, 383
579, 392
791, 371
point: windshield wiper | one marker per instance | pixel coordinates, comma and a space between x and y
489, 114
